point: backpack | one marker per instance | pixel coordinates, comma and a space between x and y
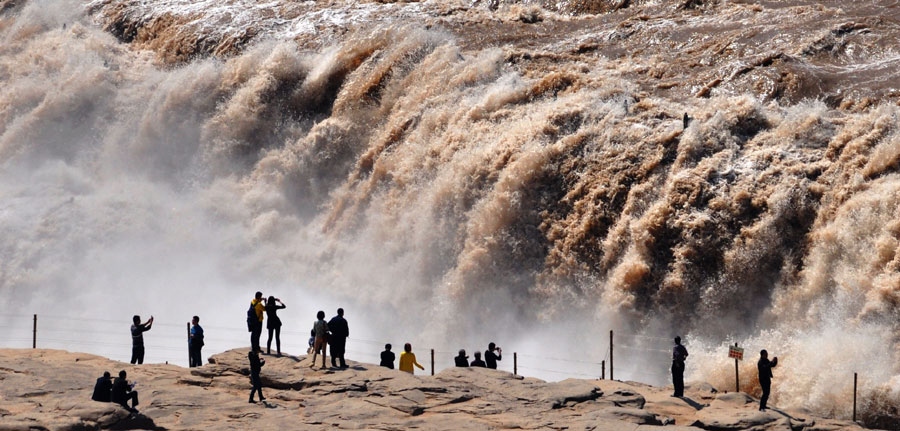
252, 319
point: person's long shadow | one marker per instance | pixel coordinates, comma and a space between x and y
692, 403
781, 412
291, 357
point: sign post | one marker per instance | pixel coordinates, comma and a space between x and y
738, 354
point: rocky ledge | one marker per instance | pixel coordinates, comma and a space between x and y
51, 390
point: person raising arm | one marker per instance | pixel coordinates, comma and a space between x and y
408, 359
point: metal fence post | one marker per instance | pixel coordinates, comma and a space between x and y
34, 334
189, 343
611, 355
854, 397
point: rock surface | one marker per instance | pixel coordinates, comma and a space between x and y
51, 389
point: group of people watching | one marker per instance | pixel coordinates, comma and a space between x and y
490, 358
262, 309
119, 392
195, 340
335, 333
764, 367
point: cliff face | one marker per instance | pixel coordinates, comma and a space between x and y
51, 389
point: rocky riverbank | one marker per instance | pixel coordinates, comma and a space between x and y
51, 390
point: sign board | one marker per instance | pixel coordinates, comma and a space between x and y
736, 352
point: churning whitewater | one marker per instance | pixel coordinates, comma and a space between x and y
511, 171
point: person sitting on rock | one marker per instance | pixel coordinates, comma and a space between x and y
256, 364
477, 362
122, 392
408, 359
103, 389
387, 357
491, 358
462, 360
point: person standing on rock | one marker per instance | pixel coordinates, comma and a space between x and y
257, 307
387, 357
477, 362
273, 323
765, 376
321, 330
122, 392
256, 364
679, 354
339, 330
103, 388
408, 359
462, 360
137, 338
195, 343
491, 358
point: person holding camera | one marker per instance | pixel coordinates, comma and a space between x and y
137, 338
764, 366
273, 323
491, 358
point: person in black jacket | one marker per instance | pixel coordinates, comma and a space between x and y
137, 338
477, 362
765, 376
122, 392
338, 337
679, 354
256, 364
273, 323
462, 360
387, 357
491, 358
103, 389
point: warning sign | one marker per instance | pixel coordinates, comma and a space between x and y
736, 353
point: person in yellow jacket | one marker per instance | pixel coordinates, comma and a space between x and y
259, 305
408, 359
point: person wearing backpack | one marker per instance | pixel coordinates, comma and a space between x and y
195, 343
255, 320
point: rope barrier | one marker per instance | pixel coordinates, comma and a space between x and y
445, 360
